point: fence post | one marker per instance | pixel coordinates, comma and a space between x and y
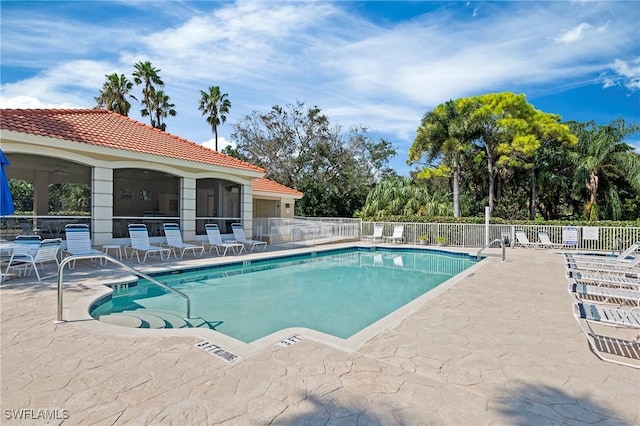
487, 216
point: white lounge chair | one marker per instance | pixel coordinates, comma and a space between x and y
140, 243
605, 294
378, 229
398, 231
605, 278
608, 315
523, 241
215, 241
614, 266
545, 241
174, 241
238, 234
78, 239
618, 350
599, 258
25, 258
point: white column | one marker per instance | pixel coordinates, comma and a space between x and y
246, 209
188, 208
102, 205
41, 195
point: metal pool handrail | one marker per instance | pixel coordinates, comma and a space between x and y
499, 240
66, 260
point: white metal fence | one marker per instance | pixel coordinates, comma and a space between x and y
318, 230
306, 230
473, 235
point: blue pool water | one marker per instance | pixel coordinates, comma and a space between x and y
339, 292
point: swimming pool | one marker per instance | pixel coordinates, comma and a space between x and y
337, 292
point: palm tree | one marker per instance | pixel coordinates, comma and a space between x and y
445, 135
398, 195
161, 108
215, 105
603, 157
114, 93
147, 74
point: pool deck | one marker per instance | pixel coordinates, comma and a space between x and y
498, 346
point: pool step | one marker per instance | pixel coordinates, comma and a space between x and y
151, 318
121, 319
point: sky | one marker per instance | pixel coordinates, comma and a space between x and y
377, 64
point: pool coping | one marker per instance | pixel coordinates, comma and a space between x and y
78, 311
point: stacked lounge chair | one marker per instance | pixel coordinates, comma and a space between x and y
607, 305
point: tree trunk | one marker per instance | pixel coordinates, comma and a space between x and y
215, 132
456, 191
592, 186
492, 179
532, 200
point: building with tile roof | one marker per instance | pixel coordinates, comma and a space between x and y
135, 172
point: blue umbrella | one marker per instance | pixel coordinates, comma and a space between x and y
6, 205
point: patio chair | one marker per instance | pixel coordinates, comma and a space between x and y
29, 254
378, 229
79, 243
215, 241
523, 241
398, 231
27, 229
238, 234
174, 242
24, 245
139, 236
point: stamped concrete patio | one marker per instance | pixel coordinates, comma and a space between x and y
500, 346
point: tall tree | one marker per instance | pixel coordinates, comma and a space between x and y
215, 105
602, 157
114, 94
444, 137
145, 73
161, 108
503, 124
300, 148
534, 134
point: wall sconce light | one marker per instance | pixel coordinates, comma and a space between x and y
288, 207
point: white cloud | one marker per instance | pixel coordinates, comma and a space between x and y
629, 72
222, 143
71, 84
623, 73
384, 77
574, 34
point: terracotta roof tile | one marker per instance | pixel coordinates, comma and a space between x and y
108, 129
266, 185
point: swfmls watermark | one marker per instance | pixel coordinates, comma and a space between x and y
35, 414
